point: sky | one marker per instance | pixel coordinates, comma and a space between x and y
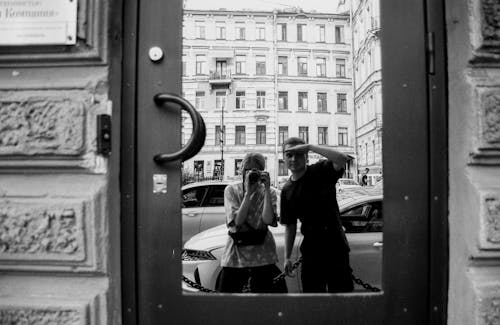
326, 6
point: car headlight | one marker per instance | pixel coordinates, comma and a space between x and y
196, 255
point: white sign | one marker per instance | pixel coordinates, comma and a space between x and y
38, 22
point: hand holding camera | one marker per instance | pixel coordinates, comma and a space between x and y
255, 177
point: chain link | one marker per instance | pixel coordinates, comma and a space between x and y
364, 284
280, 277
196, 285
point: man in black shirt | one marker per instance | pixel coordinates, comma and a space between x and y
309, 196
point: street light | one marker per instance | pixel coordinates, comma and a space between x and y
221, 140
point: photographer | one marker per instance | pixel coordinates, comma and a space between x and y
250, 257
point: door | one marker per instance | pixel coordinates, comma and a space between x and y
214, 213
151, 206
192, 210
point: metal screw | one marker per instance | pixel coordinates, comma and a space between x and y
155, 53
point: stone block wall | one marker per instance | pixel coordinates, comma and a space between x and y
473, 32
57, 255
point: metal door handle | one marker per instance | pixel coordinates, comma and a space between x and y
189, 214
378, 244
197, 139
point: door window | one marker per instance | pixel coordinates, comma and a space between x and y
157, 227
193, 197
215, 197
363, 218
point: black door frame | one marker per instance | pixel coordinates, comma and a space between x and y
151, 297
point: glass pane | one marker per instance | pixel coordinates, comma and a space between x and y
257, 81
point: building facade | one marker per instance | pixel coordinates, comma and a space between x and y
260, 77
367, 81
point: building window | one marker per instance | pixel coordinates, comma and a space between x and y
218, 169
304, 133
184, 66
322, 135
322, 105
373, 145
220, 100
321, 33
239, 134
342, 136
260, 32
240, 99
340, 68
300, 32
342, 103
200, 31
200, 100
366, 154
283, 65
281, 32
261, 134
221, 70
198, 169
282, 134
283, 100
260, 65
282, 170
302, 66
220, 32
237, 167
321, 67
220, 137
339, 34
303, 103
240, 33
241, 64
201, 64
261, 99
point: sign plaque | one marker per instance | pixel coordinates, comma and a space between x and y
38, 22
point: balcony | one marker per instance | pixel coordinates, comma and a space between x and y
220, 79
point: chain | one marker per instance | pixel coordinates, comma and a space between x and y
196, 285
364, 284
280, 277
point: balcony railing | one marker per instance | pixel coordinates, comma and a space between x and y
219, 75
220, 80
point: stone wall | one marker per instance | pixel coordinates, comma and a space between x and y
55, 230
473, 31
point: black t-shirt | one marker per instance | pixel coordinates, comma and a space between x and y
312, 200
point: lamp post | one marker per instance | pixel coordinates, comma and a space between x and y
222, 133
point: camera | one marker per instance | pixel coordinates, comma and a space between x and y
255, 175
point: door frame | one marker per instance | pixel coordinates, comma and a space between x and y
424, 151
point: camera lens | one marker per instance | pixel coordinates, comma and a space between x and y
253, 176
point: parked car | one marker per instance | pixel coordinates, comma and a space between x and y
202, 206
346, 183
361, 217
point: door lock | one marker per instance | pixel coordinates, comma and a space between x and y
155, 54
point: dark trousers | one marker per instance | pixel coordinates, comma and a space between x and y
325, 271
260, 279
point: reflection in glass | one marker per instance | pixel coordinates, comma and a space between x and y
259, 76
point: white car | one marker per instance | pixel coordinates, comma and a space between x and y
361, 217
346, 183
202, 207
